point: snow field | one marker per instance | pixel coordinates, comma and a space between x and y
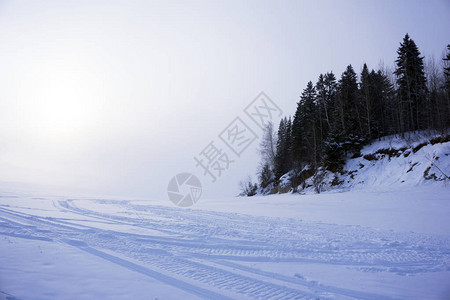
276, 247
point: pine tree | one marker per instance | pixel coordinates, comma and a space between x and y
298, 132
266, 176
375, 93
323, 121
310, 117
411, 83
383, 121
280, 166
436, 106
331, 94
366, 94
305, 134
325, 100
347, 109
283, 153
333, 156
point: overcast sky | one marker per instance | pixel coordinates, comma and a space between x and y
116, 97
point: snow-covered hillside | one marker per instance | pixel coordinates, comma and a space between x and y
396, 161
383, 244
393, 161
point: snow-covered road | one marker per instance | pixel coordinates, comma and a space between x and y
96, 248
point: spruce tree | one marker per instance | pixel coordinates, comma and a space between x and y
325, 99
323, 122
383, 111
347, 104
310, 117
330, 85
411, 83
283, 154
304, 128
265, 176
366, 94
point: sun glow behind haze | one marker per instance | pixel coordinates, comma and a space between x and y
59, 98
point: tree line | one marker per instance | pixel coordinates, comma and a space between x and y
335, 118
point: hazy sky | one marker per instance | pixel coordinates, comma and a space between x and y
116, 97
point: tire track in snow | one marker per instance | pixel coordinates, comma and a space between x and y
198, 238
204, 293
288, 244
312, 285
213, 277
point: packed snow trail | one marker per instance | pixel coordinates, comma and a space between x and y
217, 255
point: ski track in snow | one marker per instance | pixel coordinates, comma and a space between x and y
201, 252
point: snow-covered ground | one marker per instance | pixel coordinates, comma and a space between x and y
365, 244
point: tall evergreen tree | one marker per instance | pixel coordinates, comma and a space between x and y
411, 83
347, 110
366, 93
310, 119
305, 134
374, 91
265, 176
323, 123
384, 109
325, 100
283, 162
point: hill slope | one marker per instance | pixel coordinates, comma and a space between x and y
420, 159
